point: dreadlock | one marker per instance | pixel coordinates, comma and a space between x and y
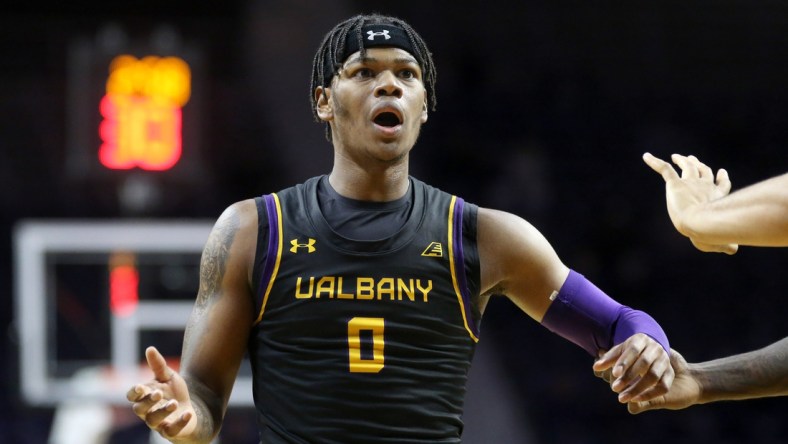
331, 54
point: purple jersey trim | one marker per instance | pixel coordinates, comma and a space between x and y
459, 261
273, 247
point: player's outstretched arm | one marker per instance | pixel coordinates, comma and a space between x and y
701, 208
188, 407
517, 261
756, 374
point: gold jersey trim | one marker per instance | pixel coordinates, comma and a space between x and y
280, 236
453, 268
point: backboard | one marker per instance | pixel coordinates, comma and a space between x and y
90, 296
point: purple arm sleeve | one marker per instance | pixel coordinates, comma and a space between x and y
585, 315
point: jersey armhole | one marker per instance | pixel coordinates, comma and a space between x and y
464, 265
260, 252
471, 265
470, 249
269, 250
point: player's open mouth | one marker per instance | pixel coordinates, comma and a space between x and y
387, 119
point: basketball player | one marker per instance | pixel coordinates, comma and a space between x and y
701, 208
358, 295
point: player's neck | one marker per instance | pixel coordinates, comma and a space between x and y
382, 185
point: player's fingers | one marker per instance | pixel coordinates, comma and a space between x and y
606, 375
643, 406
171, 428
633, 379
643, 372
158, 365
652, 392
607, 360
630, 351
660, 166
142, 407
688, 170
715, 248
137, 392
654, 380
723, 181
159, 413
704, 172
640, 389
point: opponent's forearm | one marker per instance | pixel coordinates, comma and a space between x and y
755, 374
756, 215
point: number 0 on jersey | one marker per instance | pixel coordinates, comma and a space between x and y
354, 328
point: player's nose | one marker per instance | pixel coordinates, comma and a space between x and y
387, 85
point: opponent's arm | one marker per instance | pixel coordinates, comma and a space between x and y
756, 374
190, 406
517, 261
701, 208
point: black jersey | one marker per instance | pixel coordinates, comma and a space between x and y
363, 341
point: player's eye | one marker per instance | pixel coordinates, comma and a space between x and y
407, 74
363, 73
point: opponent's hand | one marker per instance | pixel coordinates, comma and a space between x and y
163, 403
638, 369
684, 195
684, 392
714, 248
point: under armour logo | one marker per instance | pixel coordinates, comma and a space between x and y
434, 249
309, 245
373, 34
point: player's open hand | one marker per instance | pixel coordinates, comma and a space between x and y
696, 186
163, 403
638, 369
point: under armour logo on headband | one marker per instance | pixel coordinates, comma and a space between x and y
373, 34
369, 37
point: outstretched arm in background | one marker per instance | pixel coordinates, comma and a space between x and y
757, 374
701, 208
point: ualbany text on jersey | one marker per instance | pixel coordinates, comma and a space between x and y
363, 288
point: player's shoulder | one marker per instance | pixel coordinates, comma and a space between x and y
495, 218
241, 209
234, 235
238, 218
504, 229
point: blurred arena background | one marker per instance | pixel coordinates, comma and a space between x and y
544, 109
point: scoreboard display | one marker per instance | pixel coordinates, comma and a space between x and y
141, 112
134, 105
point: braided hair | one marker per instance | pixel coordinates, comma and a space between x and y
331, 54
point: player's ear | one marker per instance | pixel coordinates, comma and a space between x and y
424, 111
323, 103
